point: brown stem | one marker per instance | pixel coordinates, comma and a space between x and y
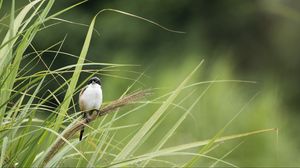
131, 98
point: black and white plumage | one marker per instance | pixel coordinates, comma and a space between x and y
90, 98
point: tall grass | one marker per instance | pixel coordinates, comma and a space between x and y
27, 137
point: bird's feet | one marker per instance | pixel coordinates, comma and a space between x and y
90, 115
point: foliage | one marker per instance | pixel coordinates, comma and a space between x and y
158, 131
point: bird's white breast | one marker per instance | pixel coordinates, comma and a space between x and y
91, 97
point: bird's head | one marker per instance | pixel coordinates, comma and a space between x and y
94, 80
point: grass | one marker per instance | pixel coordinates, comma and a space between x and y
28, 136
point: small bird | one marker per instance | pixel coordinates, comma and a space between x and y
90, 98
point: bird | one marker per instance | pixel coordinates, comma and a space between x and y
90, 99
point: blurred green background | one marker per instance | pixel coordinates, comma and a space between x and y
253, 40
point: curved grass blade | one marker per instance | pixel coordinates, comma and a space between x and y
170, 150
218, 134
226, 154
3, 150
71, 87
153, 119
179, 121
142, 18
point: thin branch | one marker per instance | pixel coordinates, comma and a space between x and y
131, 98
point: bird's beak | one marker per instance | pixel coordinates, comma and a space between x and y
93, 82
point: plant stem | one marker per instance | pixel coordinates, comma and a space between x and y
131, 98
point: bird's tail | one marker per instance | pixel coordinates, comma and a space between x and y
81, 133
82, 128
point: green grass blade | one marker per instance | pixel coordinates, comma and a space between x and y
153, 119
25, 110
71, 87
170, 150
178, 123
136, 160
9, 73
15, 24
6, 53
59, 136
218, 134
57, 158
142, 18
226, 154
3, 150
98, 149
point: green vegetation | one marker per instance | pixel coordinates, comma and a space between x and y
200, 113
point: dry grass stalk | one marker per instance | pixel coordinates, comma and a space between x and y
131, 98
